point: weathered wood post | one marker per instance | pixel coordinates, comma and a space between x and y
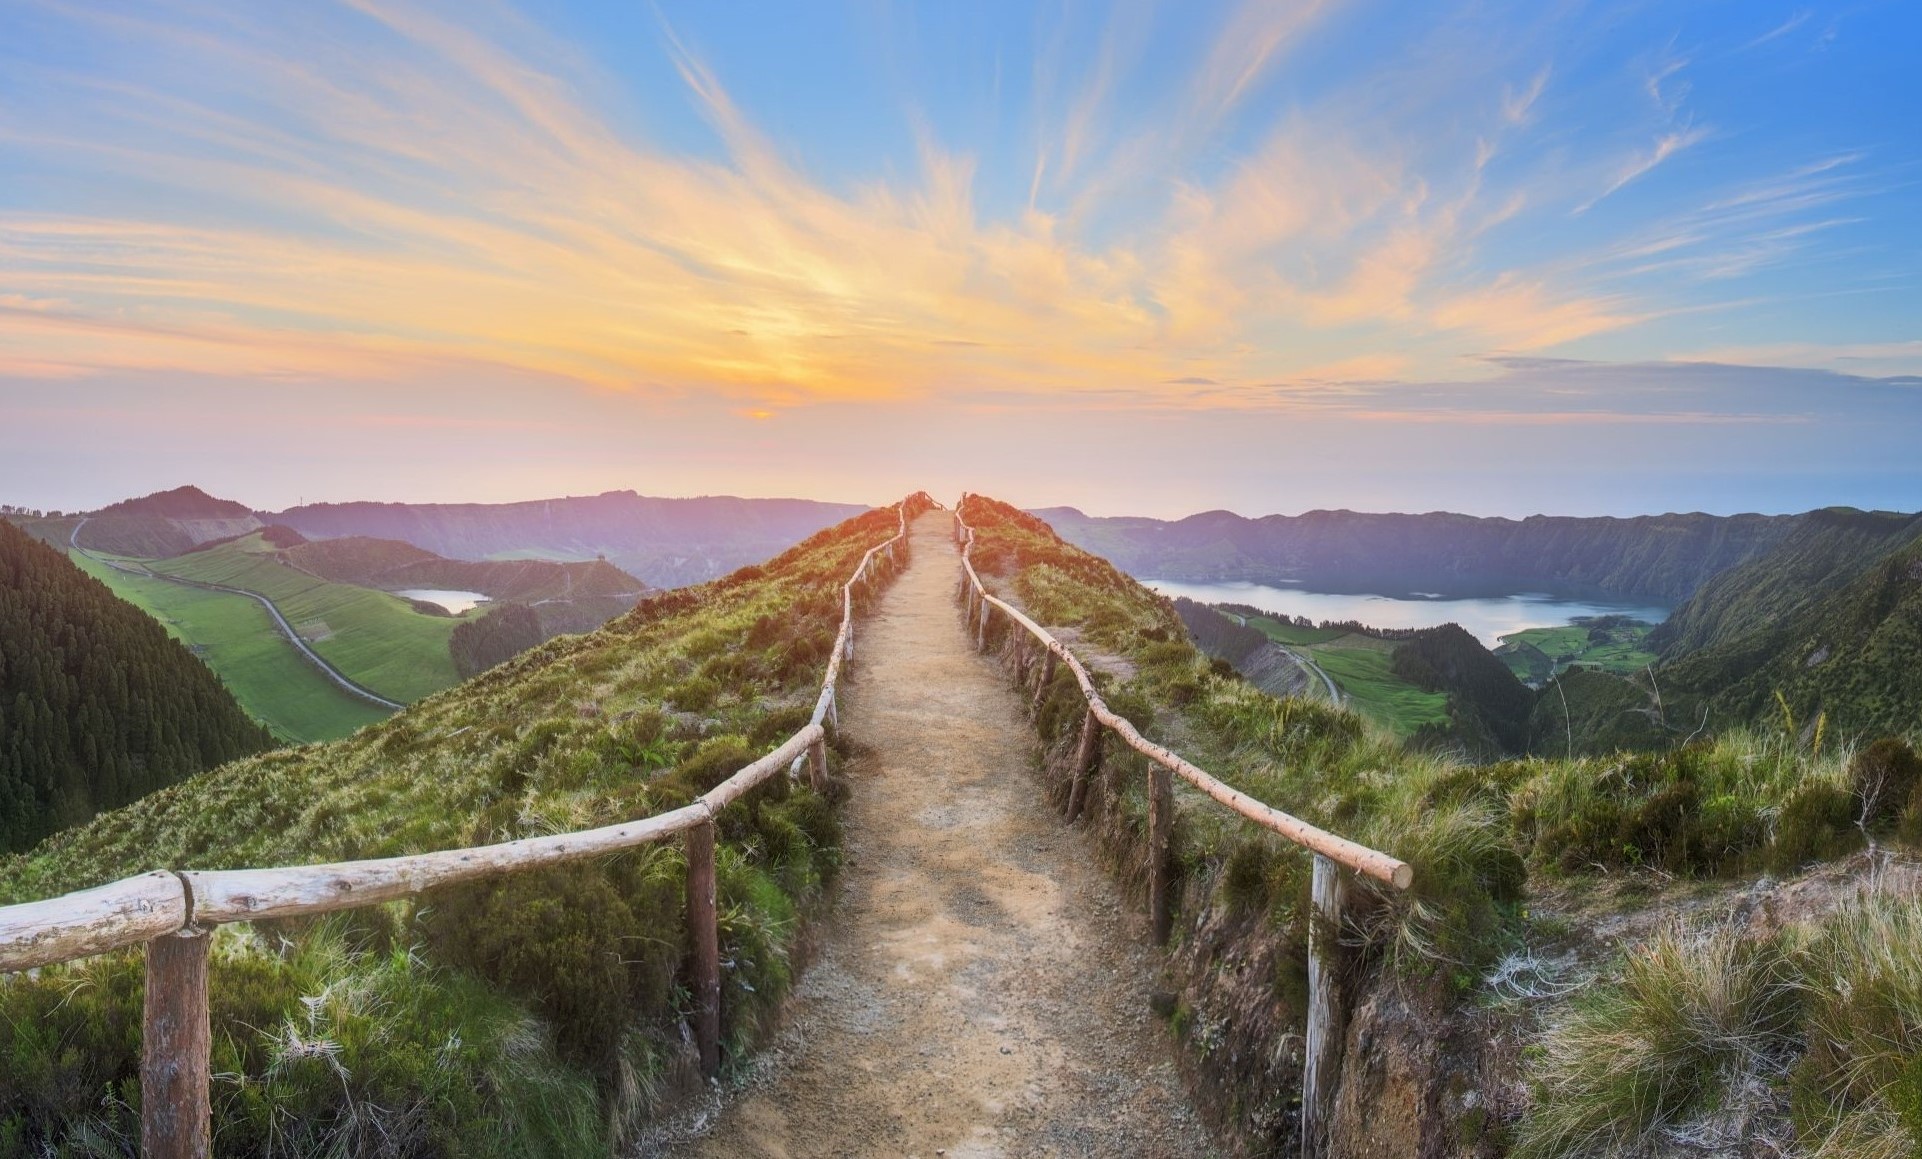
1325, 1030
704, 932
1161, 823
1041, 686
1087, 758
818, 765
176, 1116
981, 642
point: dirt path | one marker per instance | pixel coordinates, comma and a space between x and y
982, 991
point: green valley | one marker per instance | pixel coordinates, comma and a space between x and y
1609, 643
235, 636
376, 639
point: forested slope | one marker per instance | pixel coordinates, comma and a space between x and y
98, 705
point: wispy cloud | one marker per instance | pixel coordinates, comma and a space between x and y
403, 188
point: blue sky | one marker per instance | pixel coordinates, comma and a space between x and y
1154, 258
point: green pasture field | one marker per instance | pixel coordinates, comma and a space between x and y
233, 634
374, 637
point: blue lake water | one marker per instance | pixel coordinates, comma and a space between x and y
1489, 619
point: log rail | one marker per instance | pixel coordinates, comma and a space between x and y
1333, 854
173, 912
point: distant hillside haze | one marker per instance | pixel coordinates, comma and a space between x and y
1663, 558
666, 542
163, 524
187, 502
98, 705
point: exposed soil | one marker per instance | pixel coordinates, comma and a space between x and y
982, 990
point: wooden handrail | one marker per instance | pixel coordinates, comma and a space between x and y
171, 911
91, 921
1342, 851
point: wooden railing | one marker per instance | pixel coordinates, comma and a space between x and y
174, 912
1332, 854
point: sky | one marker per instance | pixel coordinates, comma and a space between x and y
1488, 256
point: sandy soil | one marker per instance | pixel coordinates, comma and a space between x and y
982, 989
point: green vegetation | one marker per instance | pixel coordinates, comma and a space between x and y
536, 1015
275, 684
1609, 643
499, 635
1366, 675
98, 707
1692, 1024
1362, 666
1814, 1030
1849, 655
378, 640
1436, 687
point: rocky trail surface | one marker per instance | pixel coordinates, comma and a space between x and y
981, 990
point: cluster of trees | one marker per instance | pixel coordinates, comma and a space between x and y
28, 512
98, 705
500, 635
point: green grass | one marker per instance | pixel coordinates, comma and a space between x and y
375, 638
1365, 677
234, 635
1362, 668
541, 1014
1293, 634
1621, 652
1814, 1029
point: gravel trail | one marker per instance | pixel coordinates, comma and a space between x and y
982, 990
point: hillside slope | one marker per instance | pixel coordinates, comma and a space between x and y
98, 706
1849, 658
164, 523
1624, 954
376, 639
540, 1015
1658, 557
667, 542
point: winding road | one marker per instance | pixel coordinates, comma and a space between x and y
286, 629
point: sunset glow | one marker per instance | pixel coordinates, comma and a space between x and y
641, 242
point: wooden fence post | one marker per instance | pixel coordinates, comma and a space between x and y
981, 644
1041, 686
703, 930
818, 766
1087, 758
176, 1114
1325, 1030
1161, 822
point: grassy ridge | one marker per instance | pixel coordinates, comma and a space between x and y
538, 1015
378, 640
276, 685
1477, 836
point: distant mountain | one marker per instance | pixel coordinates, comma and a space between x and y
666, 542
1831, 620
1656, 557
165, 523
187, 502
98, 705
